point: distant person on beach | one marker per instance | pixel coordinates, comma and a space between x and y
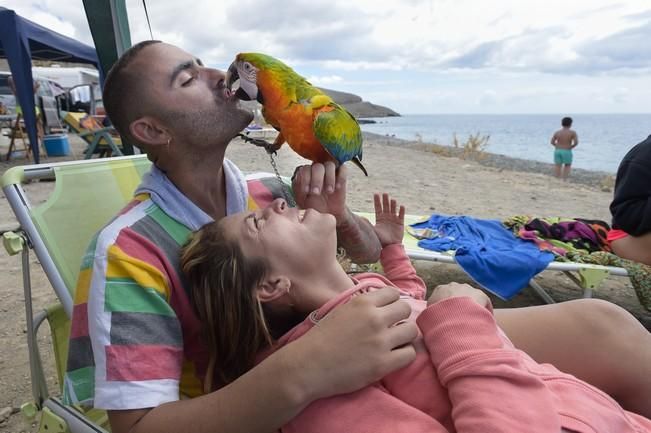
564, 140
280, 268
630, 237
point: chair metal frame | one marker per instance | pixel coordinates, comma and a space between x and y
55, 416
568, 268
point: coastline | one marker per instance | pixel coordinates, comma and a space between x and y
593, 178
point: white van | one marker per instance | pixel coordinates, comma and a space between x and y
46, 89
7, 100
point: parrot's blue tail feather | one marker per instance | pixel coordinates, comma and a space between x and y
358, 163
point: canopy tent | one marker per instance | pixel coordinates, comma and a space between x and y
21, 41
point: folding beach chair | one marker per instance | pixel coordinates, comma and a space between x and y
86, 195
586, 276
18, 132
101, 140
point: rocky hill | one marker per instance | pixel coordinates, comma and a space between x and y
354, 104
358, 107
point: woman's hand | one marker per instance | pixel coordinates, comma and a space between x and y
389, 220
455, 289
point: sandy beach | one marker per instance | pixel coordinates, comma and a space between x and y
426, 179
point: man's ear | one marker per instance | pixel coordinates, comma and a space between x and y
148, 131
273, 288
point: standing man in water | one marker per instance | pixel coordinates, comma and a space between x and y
564, 140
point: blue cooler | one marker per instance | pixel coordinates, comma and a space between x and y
56, 145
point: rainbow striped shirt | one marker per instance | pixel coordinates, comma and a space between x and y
135, 341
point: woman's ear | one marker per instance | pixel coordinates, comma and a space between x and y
273, 288
148, 131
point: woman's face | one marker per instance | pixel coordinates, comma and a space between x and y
292, 242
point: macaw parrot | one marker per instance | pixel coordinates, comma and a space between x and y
314, 126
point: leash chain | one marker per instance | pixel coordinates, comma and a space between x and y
264, 143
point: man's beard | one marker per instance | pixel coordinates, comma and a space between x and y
217, 125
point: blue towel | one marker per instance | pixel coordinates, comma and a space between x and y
494, 257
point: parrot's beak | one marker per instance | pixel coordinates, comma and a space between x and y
233, 76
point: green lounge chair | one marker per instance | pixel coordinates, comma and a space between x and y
101, 140
86, 195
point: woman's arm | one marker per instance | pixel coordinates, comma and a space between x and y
488, 384
390, 229
399, 270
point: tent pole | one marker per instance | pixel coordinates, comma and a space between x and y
121, 25
109, 25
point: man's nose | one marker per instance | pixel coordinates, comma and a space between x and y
216, 78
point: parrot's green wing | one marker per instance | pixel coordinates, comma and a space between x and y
339, 133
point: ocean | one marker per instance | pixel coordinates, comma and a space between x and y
603, 138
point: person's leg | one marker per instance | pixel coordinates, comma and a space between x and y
594, 340
567, 160
557, 163
566, 171
636, 248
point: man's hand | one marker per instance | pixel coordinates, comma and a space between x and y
389, 220
357, 344
455, 289
321, 187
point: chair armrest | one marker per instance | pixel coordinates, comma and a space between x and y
96, 131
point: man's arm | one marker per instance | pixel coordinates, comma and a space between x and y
631, 205
354, 346
575, 140
355, 235
323, 187
553, 140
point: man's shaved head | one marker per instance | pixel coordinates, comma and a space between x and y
123, 94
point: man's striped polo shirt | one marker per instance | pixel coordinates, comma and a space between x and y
132, 306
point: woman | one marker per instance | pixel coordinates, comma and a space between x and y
261, 280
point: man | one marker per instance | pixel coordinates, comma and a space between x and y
135, 345
564, 140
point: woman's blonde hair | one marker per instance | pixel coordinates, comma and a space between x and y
223, 283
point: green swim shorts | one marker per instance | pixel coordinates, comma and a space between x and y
563, 156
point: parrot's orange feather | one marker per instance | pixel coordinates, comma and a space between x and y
296, 121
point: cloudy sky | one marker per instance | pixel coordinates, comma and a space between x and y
417, 56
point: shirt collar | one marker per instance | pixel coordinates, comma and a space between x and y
178, 206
